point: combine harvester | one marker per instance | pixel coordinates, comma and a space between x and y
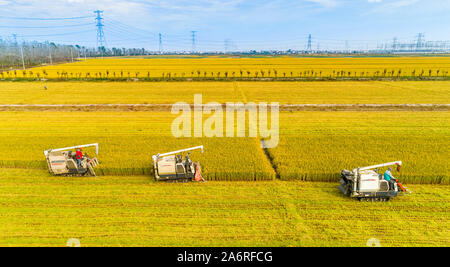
367, 184
63, 161
173, 168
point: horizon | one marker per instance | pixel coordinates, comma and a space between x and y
230, 25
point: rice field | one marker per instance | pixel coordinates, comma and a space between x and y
241, 67
373, 92
40, 210
284, 196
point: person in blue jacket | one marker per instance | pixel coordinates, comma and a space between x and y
388, 177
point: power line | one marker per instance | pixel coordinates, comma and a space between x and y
51, 19
56, 34
131, 29
44, 27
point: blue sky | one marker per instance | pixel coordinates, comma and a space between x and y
245, 24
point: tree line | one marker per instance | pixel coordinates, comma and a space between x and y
16, 55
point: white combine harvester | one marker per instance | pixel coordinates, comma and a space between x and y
62, 161
367, 184
172, 166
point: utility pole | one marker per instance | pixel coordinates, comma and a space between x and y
101, 41
50, 53
23, 61
71, 53
160, 43
193, 41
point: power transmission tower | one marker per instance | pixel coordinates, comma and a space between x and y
193, 41
15, 38
419, 43
309, 48
227, 45
101, 41
160, 43
394, 44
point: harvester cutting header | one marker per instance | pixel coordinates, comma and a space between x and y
66, 162
172, 166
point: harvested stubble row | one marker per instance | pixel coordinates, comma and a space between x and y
39, 210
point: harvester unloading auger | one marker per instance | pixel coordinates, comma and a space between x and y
172, 166
367, 184
65, 162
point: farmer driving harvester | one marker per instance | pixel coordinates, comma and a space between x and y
79, 157
388, 177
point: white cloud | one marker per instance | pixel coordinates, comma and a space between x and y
401, 3
325, 3
391, 4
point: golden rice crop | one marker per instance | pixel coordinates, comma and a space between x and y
313, 146
316, 146
251, 67
127, 142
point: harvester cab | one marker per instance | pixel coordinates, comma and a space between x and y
367, 184
66, 162
172, 166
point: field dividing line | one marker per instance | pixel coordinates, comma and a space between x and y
168, 107
213, 105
